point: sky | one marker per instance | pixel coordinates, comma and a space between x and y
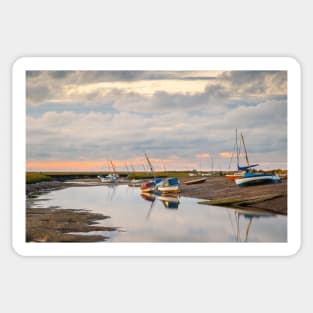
78, 120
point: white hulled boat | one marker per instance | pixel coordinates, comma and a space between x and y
251, 177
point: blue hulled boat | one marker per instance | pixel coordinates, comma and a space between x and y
251, 177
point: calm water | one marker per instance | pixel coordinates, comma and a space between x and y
153, 220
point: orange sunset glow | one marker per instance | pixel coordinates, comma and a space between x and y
97, 165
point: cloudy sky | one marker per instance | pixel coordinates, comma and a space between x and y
77, 120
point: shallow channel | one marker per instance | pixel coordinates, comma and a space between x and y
146, 218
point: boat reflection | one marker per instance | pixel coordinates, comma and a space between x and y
151, 198
168, 201
111, 189
148, 196
242, 233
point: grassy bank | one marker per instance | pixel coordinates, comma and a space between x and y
32, 177
36, 177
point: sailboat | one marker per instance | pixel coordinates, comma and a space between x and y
250, 177
257, 179
110, 178
240, 173
150, 186
168, 185
147, 187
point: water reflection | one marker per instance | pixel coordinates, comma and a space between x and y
153, 218
150, 198
168, 201
111, 192
242, 233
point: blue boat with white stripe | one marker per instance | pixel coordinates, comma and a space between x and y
251, 178
257, 179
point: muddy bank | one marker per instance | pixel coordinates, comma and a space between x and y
272, 197
43, 186
60, 225
53, 225
46, 186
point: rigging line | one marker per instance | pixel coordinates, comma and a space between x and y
245, 150
239, 151
248, 229
109, 167
132, 167
113, 167
231, 159
150, 165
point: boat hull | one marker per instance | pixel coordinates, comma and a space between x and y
257, 180
195, 181
148, 196
169, 198
147, 190
234, 176
168, 189
135, 183
107, 180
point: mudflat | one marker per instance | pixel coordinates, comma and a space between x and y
53, 225
271, 197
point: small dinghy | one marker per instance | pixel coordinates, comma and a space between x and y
168, 185
109, 179
195, 181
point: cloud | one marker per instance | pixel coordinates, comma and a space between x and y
186, 115
202, 155
226, 155
98, 134
257, 82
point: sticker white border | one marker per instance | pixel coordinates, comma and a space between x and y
20, 67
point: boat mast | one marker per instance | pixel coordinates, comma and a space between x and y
150, 165
113, 167
132, 167
237, 150
244, 146
212, 162
109, 166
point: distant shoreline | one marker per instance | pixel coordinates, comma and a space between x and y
271, 197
